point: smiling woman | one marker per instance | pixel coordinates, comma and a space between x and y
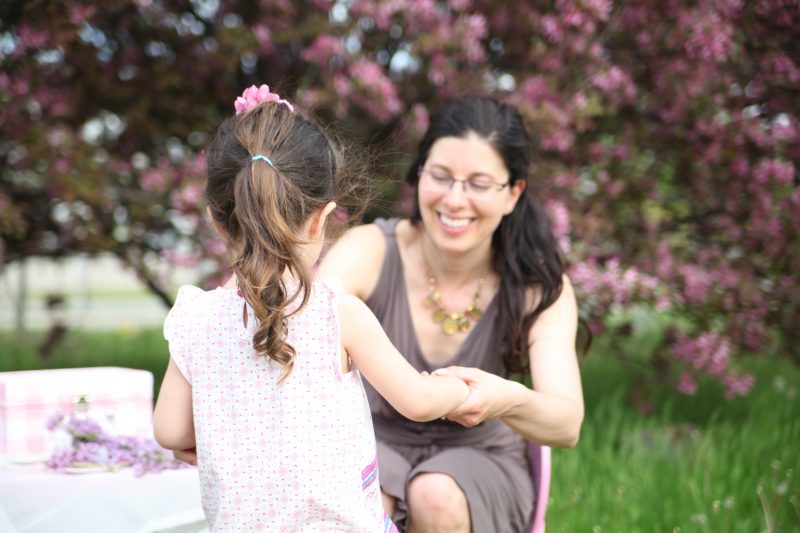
472, 285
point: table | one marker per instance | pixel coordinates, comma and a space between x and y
34, 499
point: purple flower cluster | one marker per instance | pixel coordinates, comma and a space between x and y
93, 445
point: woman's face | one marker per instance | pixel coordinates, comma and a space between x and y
464, 193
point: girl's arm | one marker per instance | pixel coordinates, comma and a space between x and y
173, 423
550, 414
418, 397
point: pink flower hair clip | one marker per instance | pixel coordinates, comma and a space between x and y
252, 96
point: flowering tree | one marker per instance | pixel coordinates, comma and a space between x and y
667, 137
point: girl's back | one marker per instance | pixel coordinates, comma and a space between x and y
294, 456
283, 436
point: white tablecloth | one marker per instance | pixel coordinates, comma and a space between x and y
36, 500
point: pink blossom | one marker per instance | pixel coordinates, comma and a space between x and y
263, 37
709, 352
614, 80
30, 38
153, 179
61, 165
188, 197
421, 13
79, 13
474, 30
342, 85
710, 35
535, 89
559, 215
621, 151
560, 218
420, 117
738, 385
460, 5
739, 166
323, 48
599, 8
687, 384
697, 283
613, 284
783, 68
559, 140
552, 29
380, 94
565, 180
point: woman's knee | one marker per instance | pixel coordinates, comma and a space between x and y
436, 502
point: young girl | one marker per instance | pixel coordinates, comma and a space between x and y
264, 373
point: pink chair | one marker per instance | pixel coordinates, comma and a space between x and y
540, 470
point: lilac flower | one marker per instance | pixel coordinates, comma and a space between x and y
54, 420
91, 444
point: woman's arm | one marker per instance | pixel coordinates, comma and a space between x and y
173, 423
550, 414
416, 396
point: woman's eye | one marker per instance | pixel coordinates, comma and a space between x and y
480, 185
440, 177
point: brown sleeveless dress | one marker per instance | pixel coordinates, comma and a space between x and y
489, 461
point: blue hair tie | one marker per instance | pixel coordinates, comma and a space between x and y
262, 158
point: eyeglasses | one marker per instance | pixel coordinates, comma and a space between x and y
476, 187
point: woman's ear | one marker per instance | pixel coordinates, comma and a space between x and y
317, 227
516, 190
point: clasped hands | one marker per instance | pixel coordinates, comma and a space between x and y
484, 401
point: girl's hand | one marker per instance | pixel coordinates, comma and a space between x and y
188, 455
486, 399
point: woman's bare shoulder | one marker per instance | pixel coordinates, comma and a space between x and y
560, 317
356, 259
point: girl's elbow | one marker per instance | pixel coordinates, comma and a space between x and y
169, 436
165, 440
173, 441
164, 437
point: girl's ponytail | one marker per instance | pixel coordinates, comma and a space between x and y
269, 249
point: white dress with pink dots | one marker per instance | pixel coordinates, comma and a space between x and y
298, 456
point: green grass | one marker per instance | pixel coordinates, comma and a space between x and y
696, 464
145, 349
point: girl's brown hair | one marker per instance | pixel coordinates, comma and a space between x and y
262, 207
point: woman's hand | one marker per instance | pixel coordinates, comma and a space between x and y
490, 395
188, 455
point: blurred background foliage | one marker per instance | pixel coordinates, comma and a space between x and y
666, 142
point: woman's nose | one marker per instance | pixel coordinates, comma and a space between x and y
457, 193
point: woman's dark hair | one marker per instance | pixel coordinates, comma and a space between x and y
525, 253
261, 207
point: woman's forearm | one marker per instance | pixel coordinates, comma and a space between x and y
543, 417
